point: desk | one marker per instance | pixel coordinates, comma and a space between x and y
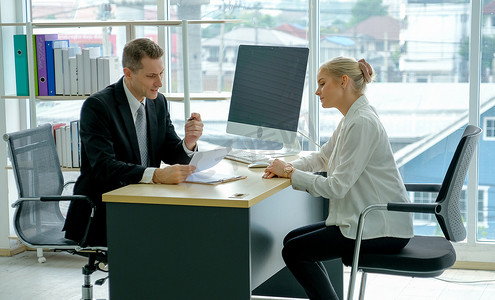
195, 241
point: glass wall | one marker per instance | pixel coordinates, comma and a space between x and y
419, 51
418, 48
485, 208
110, 40
212, 48
213, 54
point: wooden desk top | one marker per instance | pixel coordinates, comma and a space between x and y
249, 191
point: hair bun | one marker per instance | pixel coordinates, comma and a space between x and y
366, 69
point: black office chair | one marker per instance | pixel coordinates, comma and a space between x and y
423, 256
38, 218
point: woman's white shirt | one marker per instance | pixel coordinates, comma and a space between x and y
361, 171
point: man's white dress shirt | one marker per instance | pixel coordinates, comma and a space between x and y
134, 106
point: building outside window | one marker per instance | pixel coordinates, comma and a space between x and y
489, 128
426, 224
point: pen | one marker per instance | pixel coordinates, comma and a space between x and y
191, 118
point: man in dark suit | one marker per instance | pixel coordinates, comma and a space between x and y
126, 133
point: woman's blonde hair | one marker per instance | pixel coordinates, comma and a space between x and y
355, 70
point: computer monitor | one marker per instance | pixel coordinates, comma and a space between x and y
267, 94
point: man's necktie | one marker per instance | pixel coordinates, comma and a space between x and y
142, 135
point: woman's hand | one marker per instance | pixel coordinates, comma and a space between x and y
276, 168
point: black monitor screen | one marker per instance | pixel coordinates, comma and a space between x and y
268, 86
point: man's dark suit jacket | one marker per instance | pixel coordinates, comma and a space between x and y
110, 156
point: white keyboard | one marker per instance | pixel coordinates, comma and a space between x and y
246, 156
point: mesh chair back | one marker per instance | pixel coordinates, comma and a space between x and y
37, 172
35, 162
448, 212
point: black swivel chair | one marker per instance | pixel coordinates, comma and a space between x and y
423, 256
38, 218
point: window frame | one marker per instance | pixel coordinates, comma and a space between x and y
486, 129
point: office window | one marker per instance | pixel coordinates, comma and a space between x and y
485, 220
486, 211
489, 128
213, 54
422, 197
422, 75
212, 48
111, 40
421, 85
427, 223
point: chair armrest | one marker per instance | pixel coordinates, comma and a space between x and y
67, 198
423, 187
55, 198
427, 208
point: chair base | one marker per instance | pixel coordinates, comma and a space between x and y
87, 270
39, 253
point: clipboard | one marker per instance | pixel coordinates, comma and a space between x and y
212, 178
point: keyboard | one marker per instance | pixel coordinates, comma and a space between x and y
246, 156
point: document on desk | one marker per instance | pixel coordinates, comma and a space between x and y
203, 161
212, 177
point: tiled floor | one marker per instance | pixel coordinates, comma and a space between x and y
23, 278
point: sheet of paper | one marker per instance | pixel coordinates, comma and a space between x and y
203, 160
211, 177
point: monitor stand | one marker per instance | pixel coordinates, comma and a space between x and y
288, 149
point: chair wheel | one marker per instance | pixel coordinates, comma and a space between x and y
41, 259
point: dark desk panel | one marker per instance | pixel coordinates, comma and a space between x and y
197, 252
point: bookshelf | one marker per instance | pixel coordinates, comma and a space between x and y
130, 29
130, 33
174, 97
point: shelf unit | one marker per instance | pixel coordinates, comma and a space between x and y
174, 97
130, 29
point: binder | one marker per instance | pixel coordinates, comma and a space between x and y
109, 70
21, 65
94, 75
59, 71
63, 145
59, 141
50, 68
80, 71
56, 79
100, 66
72, 75
74, 128
87, 55
35, 66
41, 61
114, 69
66, 72
56, 126
67, 147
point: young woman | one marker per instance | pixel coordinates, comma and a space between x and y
361, 171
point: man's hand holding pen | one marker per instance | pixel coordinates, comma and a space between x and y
194, 130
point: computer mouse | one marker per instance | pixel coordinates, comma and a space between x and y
259, 164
